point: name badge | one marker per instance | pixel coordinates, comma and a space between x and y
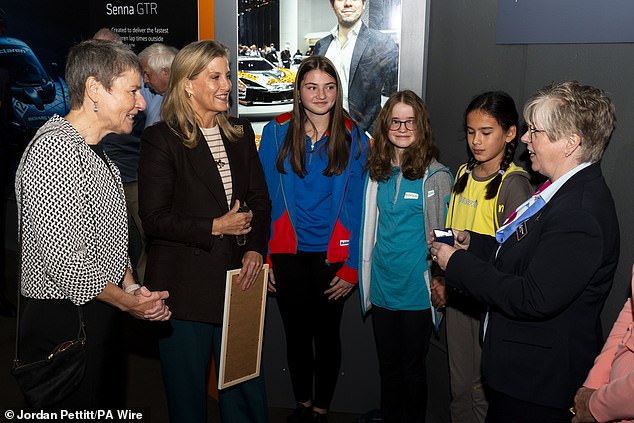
410, 196
430, 193
344, 242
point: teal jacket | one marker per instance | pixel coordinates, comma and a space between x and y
437, 183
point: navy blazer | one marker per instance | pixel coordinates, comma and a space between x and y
373, 72
545, 292
180, 192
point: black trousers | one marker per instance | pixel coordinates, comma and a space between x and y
402, 342
47, 323
311, 323
505, 409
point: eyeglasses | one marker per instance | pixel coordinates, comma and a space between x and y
532, 131
395, 124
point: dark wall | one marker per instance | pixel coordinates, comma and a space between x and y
464, 60
259, 23
47, 27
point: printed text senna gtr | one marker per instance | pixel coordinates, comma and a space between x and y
141, 8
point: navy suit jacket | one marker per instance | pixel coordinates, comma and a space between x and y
180, 192
545, 292
373, 72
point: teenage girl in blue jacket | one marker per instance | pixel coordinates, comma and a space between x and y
313, 160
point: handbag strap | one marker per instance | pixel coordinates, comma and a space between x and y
81, 334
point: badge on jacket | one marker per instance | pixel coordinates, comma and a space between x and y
521, 231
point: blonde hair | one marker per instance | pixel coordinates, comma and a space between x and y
571, 108
176, 109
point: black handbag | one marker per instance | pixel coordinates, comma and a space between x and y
48, 381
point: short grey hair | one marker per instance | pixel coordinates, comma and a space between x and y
158, 56
107, 34
102, 59
568, 108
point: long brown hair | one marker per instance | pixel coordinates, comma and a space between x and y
417, 156
176, 109
338, 137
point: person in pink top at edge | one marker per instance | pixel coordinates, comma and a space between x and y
607, 395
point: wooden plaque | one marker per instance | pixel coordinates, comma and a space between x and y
242, 329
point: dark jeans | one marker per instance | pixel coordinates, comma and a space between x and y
402, 342
186, 349
311, 323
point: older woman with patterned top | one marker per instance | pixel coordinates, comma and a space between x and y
73, 220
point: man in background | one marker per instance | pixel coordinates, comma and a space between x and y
285, 55
366, 60
156, 60
107, 34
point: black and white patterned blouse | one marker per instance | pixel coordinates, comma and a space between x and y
73, 217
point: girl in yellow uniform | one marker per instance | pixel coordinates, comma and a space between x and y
488, 188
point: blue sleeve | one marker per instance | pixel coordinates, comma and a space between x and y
268, 151
354, 194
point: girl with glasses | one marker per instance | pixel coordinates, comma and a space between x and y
406, 195
488, 188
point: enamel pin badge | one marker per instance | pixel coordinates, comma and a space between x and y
521, 231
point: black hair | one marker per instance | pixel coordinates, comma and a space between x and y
501, 107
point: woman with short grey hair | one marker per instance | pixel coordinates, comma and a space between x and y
73, 221
549, 269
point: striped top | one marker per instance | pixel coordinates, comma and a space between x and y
217, 148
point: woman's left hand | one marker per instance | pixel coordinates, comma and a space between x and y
441, 253
582, 406
338, 288
251, 266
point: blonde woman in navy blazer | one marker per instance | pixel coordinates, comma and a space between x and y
192, 219
546, 277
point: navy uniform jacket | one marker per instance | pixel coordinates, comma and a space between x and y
545, 292
373, 72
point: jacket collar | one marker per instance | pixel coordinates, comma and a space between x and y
584, 175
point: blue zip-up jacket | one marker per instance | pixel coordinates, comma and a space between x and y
347, 195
